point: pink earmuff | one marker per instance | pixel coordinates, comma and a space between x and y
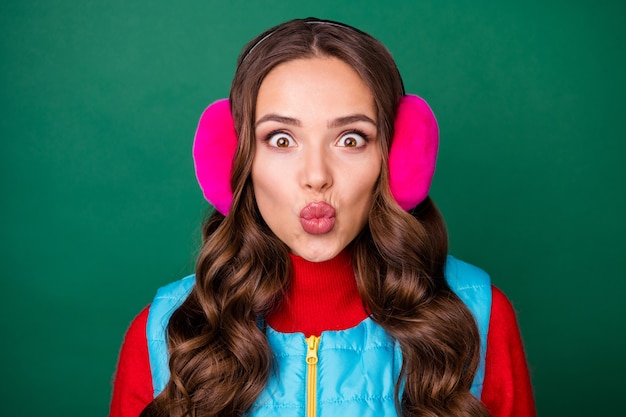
412, 156
213, 153
413, 152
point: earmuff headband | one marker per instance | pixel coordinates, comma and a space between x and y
412, 156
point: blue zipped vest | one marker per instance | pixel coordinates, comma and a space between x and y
357, 368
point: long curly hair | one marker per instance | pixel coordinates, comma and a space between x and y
220, 360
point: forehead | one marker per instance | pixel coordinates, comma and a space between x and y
321, 84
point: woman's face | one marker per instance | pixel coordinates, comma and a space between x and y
317, 155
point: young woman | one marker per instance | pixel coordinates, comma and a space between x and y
323, 285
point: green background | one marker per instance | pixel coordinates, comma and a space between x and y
99, 104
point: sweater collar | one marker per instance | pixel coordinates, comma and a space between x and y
322, 296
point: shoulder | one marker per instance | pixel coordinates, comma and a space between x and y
176, 291
137, 329
502, 309
473, 286
167, 299
461, 275
503, 326
135, 338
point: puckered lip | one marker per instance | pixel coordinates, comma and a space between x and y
317, 210
317, 218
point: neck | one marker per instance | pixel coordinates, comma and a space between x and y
321, 296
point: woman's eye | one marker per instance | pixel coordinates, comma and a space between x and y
281, 140
352, 140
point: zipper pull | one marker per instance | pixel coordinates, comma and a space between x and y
311, 354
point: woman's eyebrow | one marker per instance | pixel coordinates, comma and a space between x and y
338, 122
273, 117
346, 120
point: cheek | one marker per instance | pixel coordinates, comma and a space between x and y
370, 177
260, 180
267, 183
363, 190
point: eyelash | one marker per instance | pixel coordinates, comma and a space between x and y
357, 132
274, 133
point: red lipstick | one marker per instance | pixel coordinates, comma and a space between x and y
317, 218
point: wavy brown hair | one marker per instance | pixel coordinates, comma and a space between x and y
220, 360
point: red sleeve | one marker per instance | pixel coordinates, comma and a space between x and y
506, 391
132, 388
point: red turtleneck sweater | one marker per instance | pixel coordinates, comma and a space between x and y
323, 296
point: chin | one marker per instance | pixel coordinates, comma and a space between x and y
322, 255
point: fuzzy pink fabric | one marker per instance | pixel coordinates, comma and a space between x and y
213, 152
412, 156
413, 153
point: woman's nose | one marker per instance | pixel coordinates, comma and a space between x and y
317, 172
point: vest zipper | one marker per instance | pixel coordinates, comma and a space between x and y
313, 343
